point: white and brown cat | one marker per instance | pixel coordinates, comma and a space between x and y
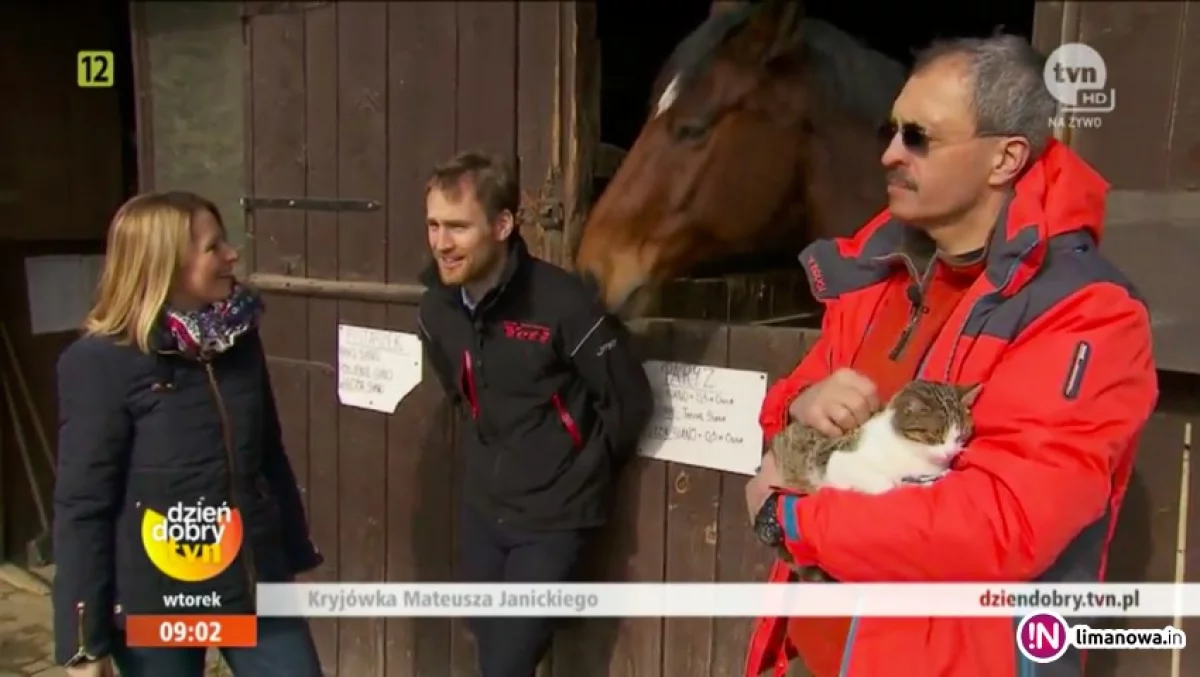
917, 435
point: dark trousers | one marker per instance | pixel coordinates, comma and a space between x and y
285, 649
496, 553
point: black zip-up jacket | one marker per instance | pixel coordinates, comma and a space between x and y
553, 399
141, 431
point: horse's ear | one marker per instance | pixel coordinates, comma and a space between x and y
724, 6
784, 17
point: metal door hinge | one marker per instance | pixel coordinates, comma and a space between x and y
550, 215
546, 211
251, 203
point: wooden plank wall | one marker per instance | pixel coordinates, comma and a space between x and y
1154, 531
359, 100
1149, 142
776, 297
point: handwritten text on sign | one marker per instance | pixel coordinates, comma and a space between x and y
376, 368
705, 416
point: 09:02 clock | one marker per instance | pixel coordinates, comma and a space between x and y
200, 631
212, 630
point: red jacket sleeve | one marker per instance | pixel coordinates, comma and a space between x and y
816, 364
1038, 470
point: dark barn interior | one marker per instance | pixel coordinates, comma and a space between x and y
69, 160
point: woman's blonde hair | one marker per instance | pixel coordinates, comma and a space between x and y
147, 241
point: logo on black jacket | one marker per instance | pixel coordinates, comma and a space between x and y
524, 331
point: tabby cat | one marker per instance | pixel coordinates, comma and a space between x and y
916, 435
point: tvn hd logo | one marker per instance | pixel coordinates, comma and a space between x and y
192, 543
1076, 76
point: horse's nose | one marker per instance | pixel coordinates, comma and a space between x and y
625, 302
590, 282
615, 293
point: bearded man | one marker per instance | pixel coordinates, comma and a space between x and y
552, 400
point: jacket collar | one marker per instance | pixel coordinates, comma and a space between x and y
1059, 194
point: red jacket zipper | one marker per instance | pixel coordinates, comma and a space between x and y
469, 375
567, 421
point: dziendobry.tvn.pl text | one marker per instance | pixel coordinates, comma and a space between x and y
1077, 601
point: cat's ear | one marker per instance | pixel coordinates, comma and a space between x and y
968, 394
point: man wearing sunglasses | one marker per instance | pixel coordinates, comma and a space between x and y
985, 268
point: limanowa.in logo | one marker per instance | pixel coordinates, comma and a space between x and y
1044, 637
1076, 76
192, 542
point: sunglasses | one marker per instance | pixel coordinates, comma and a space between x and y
912, 136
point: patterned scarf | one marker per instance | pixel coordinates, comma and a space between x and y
212, 330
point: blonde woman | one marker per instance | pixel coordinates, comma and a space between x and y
165, 401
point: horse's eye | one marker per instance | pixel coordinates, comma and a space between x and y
691, 129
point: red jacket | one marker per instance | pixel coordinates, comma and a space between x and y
1063, 347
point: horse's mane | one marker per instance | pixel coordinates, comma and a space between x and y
861, 79
695, 52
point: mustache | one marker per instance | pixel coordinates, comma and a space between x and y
897, 177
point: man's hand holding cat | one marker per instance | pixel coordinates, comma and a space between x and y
837, 404
759, 488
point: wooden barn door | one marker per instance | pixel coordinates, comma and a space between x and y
1148, 148
349, 104
557, 130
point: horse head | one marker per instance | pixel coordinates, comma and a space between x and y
753, 142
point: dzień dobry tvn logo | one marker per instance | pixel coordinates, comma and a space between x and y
192, 542
1076, 76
